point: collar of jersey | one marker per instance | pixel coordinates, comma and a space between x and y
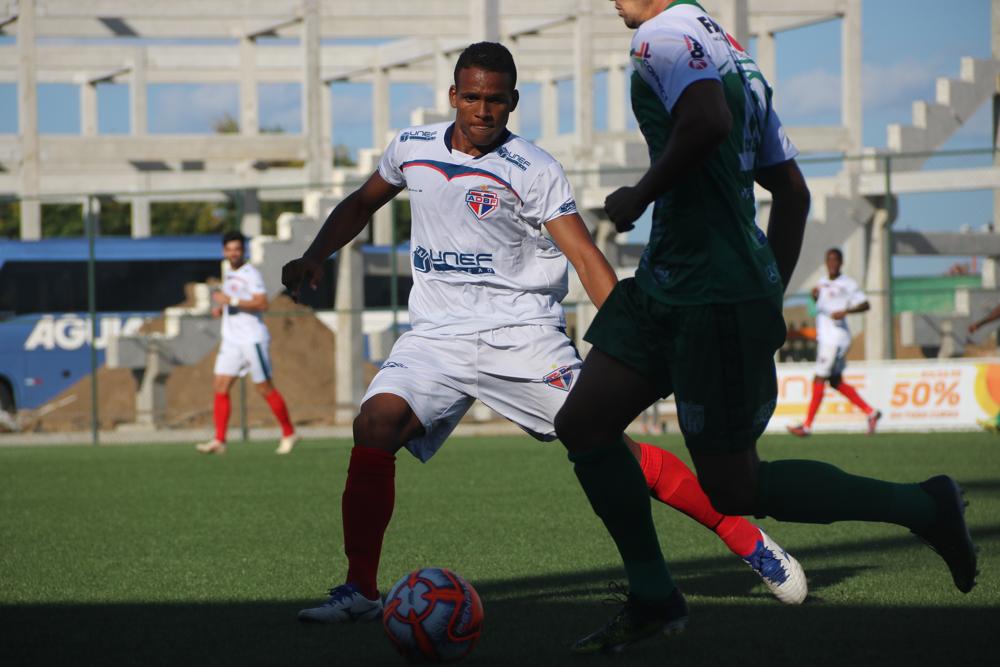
451, 129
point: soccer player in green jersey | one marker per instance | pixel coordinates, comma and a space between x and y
702, 320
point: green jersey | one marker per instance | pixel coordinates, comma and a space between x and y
705, 246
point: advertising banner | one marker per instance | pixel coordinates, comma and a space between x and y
923, 395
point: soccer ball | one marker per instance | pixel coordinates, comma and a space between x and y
433, 615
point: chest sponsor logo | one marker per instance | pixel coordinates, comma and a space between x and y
417, 135
560, 378
482, 202
640, 52
425, 261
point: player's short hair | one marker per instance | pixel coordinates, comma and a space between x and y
835, 251
234, 235
489, 56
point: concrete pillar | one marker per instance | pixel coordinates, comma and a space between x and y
514, 121
380, 107
350, 299
249, 106
617, 98
444, 77
88, 109
583, 79
879, 341
767, 58
27, 113
550, 107
850, 80
250, 224
484, 20
312, 103
151, 396
735, 18
141, 222
139, 94
991, 265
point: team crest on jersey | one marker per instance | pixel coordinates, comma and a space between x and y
482, 202
560, 378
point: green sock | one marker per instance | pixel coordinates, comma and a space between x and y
815, 492
616, 488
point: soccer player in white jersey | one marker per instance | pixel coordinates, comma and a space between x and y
836, 296
487, 322
244, 348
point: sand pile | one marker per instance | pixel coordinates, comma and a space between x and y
302, 354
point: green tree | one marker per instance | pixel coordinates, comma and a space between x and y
10, 219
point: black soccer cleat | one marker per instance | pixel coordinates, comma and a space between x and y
949, 536
636, 621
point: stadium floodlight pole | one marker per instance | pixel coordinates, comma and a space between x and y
92, 311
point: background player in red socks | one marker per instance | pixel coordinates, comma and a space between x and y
244, 347
487, 323
836, 296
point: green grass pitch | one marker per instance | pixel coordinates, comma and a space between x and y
156, 555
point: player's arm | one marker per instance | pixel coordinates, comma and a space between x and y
991, 316
570, 233
702, 121
344, 223
789, 210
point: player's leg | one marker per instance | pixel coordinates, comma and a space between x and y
228, 364
826, 358
259, 360
671, 482
850, 393
411, 402
605, 399
738, 483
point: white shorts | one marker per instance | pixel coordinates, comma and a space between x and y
522, 372
237, 359
831, 357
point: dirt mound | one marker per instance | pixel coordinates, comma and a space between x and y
302, 356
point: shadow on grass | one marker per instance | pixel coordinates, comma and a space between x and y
531, 621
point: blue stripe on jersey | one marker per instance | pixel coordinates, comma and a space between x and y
450, 171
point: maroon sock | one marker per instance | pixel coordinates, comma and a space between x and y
221, 411
369, 497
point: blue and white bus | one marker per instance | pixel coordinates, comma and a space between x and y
44, 328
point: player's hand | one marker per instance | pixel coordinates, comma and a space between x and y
217, 311
624, 206
838, 314
815, 294
299, 273
220, 298
973, 327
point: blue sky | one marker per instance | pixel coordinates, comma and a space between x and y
903, 55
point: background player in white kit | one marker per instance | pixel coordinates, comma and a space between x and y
487, 322
836, 296
244, 348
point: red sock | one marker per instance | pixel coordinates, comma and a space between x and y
221, 411
851, 394
817, 398
280, 411
369, 497
673, 483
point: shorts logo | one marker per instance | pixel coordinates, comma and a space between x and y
691, 416
392, 364
560, 378
482, 202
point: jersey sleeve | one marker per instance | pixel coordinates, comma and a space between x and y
255, 282
669, 61
775, 146
856, 297
549, 197
388, 165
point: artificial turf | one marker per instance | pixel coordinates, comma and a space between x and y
152, 554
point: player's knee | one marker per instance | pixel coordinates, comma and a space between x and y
380, 427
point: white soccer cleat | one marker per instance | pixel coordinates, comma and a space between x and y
346, 605
213, 446
782, 573
287, 444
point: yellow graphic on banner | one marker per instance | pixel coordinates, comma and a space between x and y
988, 387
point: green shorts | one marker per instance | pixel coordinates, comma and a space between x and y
717, 359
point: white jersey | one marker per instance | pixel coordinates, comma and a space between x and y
480, 257
835, 294
239, 326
